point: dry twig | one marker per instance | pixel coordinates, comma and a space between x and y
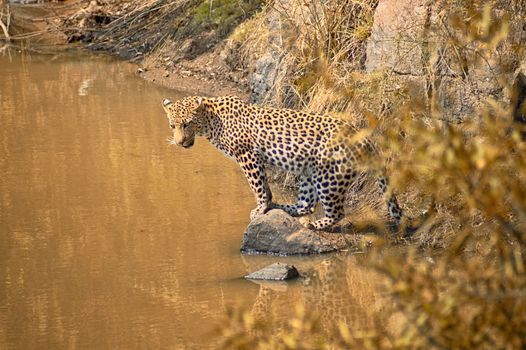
5, 26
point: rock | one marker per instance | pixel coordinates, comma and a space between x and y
277, 232
413, 39
398, 32
275, 272
271, 66
457, 98
264, 77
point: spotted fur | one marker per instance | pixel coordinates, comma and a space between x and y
304, 143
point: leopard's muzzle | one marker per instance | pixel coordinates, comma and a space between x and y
188, 143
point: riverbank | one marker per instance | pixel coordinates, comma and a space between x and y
107, 27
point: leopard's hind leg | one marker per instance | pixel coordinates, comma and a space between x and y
394, 211
306, 199
331, 186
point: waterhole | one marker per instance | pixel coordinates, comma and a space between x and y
110, 238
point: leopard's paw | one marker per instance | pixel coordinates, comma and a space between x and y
305, 222
258, 211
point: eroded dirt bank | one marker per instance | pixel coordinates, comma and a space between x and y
172, 43
178, 44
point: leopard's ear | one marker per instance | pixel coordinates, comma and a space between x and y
197, 102
166, 104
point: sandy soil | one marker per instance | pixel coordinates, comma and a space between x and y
207, 74
193, 80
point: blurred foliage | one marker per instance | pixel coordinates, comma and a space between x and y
475, 170
472, 175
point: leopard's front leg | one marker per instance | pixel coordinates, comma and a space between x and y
252, 166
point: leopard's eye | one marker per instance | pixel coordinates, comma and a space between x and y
184, 125
172, 126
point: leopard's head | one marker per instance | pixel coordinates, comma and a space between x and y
185, 118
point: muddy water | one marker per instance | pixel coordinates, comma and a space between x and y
112, 239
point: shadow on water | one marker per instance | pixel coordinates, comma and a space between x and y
111, 238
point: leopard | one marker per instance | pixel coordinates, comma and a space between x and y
307, 144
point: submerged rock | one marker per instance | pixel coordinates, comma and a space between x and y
277, 232
275, 272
